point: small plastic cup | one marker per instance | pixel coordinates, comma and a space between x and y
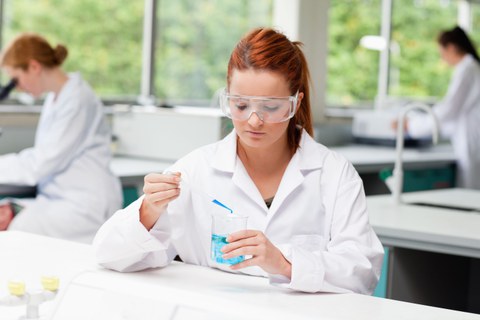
222, 226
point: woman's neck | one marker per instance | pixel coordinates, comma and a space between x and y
268, 160
458, 58
54, 80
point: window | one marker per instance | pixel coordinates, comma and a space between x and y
474, 34
416, 69
194, 41
352, 69
104, 38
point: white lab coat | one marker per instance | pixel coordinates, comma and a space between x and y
318, 219
459, 116
69, 164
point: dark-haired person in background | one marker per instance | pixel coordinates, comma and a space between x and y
459, 111
69, 162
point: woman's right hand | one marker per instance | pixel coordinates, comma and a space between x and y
6, 216
159, 190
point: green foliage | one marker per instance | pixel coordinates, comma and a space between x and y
195, 39
475, 34
104, 38
352, 70
415, 66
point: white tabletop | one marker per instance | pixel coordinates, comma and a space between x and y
429, 228
367, 158
179, 291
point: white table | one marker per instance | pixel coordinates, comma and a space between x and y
132, 170
427, 228
434, 251
178, 291
364, 158
367, 158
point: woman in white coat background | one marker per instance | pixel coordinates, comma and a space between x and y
69, 162
458, 112
308, 227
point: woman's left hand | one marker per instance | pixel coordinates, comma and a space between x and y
264, 253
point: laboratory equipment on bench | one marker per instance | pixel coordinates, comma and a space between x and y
222, 226
374, 127
5, 91
166, 133
32, 300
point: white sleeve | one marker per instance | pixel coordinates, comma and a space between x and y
123, 243
350, 261
54, 153
447, 111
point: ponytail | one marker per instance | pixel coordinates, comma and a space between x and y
460, 40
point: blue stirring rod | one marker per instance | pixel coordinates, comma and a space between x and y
206, 195
222, 205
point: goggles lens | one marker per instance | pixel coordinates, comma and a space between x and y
268, 109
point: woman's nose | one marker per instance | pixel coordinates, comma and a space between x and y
255, 120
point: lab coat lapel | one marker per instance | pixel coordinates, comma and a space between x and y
243, 181
292, 178
226, 160
309, 156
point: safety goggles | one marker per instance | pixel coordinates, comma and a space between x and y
268, 109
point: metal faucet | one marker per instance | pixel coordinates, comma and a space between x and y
397, 170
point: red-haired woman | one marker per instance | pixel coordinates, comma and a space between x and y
308, 227
69, 162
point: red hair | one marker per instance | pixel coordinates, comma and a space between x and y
269, 50
31, 46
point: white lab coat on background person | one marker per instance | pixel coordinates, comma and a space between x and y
69, 164
318, 219
458, 114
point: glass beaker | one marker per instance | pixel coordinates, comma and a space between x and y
222, 226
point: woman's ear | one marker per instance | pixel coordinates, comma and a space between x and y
299, 101
34, 66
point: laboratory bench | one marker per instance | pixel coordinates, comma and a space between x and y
366, 159
433, 247
131, 172
434, 165
425, 168
178, 291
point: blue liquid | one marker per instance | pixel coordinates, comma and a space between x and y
218, 241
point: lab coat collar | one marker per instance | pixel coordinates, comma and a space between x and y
226, 153
73, 79
465, 63
309, 156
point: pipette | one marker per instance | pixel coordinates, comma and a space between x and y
204, 194
200, 192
